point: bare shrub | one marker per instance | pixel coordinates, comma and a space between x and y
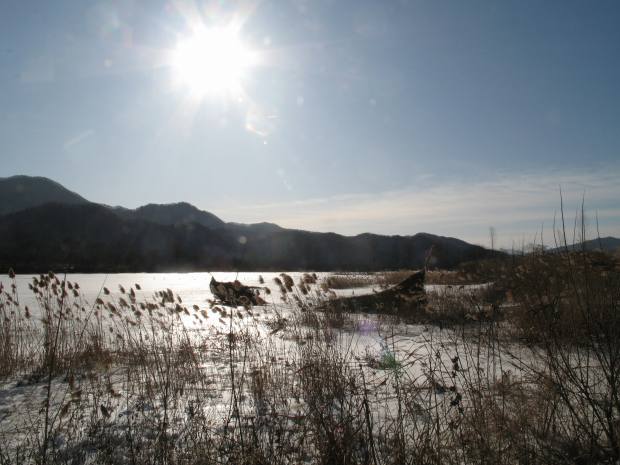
125, 381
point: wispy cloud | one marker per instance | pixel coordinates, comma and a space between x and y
77, 139
518, 206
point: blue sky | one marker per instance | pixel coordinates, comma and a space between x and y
385, 116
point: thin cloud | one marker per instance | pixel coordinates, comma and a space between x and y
77, 139
517, 206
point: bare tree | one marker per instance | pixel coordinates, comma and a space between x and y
492, 235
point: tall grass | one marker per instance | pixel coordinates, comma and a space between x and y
524, 371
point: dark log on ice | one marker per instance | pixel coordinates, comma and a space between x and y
234, 293
407, 298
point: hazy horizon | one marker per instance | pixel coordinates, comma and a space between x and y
350, 117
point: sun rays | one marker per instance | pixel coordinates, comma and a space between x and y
213, 61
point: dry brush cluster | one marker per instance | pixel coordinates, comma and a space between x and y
524, 371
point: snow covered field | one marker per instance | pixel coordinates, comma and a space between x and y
127, 368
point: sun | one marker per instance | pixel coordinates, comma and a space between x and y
212, 61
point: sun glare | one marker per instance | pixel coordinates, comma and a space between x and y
212, 61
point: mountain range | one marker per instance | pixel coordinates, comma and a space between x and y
609, 244
44, 226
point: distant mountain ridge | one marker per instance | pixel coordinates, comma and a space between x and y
21, 192
78, 235
607, 244
173, 213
